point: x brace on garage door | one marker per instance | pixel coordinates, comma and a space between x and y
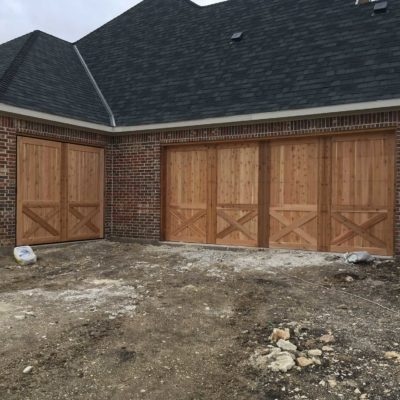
327, 193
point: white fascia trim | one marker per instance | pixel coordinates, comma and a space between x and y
278, 115
269, 116
51, 118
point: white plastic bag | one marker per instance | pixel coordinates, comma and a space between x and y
24, 255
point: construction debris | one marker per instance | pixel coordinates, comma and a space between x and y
278, 334
24, 255
27, 370
393, 355
358, 257
327, 339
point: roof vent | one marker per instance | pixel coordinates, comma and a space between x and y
381, 7
237, 37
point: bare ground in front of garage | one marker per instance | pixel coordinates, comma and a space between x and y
105, 320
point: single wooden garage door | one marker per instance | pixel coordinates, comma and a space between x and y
186, 195
293, 192
211, 194
332, 193
237, 194
362, 197
85, 191
60, 192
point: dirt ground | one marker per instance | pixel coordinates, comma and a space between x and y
106, 320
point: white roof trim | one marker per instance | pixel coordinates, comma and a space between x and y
277, 115
51, 118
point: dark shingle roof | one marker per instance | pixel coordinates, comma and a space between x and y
9, 52
46, 75
171, 60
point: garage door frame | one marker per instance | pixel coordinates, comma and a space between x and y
324, 181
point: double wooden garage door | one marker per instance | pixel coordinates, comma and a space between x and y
59, 192
327, 194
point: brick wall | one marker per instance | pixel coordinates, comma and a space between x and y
135, 198
9, 129
7, 181
133, 165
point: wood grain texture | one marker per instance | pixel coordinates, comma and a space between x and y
294, 194
60, 192
85, 192
212, 173
328, 193
324, 193
362, 194
237, 194
264, 194
187, 182
39, 191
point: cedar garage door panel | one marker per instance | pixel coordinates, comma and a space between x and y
328, 193
39, 191
294, 194
85, 192
60, 192
187, 194
362, 194
237, 194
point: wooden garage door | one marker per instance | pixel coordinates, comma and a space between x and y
39, 191
60, 192
237, 194
362, 194
85, 191
332, 193
186, 198
293, 207
212, 194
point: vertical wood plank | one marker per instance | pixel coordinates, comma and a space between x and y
212, 194
264, 194
64, 191
390, 150
102, 176
324, 193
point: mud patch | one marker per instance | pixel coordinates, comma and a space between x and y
124, 321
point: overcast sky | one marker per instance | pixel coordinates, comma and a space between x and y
67, 19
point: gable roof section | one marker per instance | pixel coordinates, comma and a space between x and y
44, 73
169, 61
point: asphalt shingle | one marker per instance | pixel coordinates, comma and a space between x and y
50, 78
9, 52
171, 60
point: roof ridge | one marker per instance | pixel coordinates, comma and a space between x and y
11, 71
39, 32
